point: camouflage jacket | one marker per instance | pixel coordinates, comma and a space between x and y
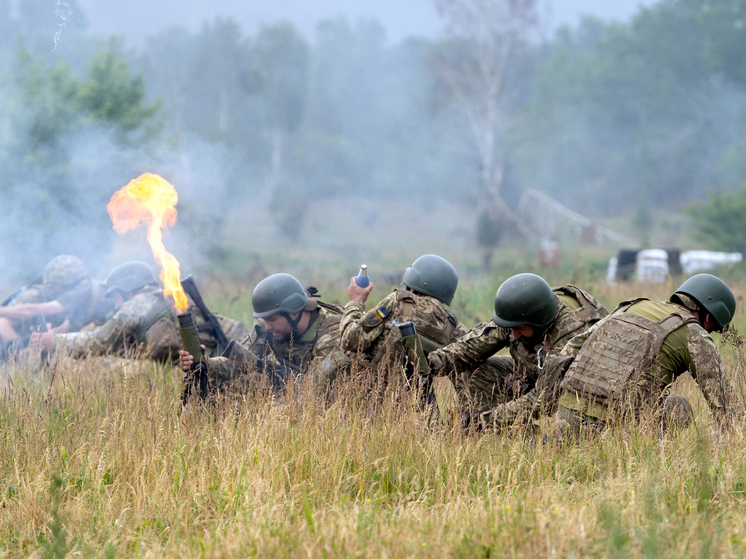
85, 303
473, 349
316, 351
644, 378
145, 325
375, 335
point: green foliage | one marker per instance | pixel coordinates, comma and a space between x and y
721, 221
113, 96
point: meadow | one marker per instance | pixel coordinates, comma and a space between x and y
98, 458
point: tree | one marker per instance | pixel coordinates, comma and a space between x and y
277, 72
483, 67
721, 221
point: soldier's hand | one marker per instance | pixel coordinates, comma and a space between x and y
357, 293
185, 360
42, 341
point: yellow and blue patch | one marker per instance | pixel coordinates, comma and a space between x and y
374, 318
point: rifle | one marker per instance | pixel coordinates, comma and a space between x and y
190, 288
36, 281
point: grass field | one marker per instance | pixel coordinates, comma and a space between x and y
98, 459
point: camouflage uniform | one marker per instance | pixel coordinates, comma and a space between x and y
629, 360
316, 352
375, 336
145, 325
487, 382
85, 304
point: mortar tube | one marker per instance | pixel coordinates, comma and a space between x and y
190, 336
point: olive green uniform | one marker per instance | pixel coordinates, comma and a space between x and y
630, 358
144, 326
317, 351
375, 337
504, 388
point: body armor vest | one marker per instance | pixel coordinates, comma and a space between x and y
590, 309
621, 351
434, 334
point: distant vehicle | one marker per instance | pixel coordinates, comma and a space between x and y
655, 265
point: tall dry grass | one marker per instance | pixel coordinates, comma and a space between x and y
99, 459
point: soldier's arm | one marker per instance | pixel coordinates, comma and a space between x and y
27, 310
709, 372
357, 333
108, 338
542, 396
470, 350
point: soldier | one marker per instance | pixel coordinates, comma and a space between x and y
66, 296
431, 283
293, 335
535, 321
144, 322
628, 360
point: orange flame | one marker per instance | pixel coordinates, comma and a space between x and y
150, 200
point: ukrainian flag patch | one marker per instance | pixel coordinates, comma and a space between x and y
374, 318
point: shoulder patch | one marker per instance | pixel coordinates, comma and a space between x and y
374, 318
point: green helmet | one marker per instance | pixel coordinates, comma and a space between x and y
434, 276
278, 293
65, 270
525, 299
129, 277
713, 294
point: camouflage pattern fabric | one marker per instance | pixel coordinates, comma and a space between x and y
85, 303
488, 383
317, 352
375, 336
687, 348
64, 270
144, 326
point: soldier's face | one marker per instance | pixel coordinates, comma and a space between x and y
523, 332
118, 301
278, 326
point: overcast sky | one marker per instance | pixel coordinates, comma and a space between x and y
136, 19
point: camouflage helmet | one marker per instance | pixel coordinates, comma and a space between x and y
525, 299
713, 294
278, 293
432, 275
65, 270
129, 277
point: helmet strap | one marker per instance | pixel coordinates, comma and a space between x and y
293, 322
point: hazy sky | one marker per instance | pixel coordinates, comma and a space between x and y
137, 19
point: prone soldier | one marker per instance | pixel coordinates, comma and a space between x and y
431, 283
144, 323
533, 320
293, 335
66, 295
629, 359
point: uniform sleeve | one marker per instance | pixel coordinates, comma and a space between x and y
459, 331
108, 338
470, 350
709, 373
354, 334
541, 397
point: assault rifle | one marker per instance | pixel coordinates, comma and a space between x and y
190, 288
